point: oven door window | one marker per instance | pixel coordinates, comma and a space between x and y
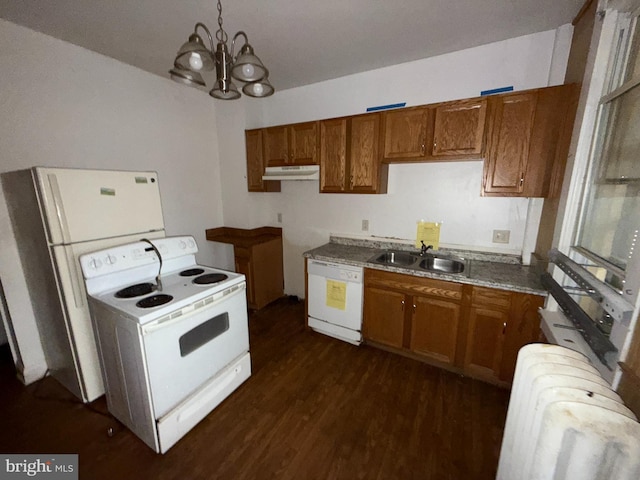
203, 333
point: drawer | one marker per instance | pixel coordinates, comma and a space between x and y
413, 284
491, 297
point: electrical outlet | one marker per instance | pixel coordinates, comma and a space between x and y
279, 217
365, 225
501, 236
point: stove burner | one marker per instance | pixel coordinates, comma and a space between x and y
210, 278
154, 301
136, 290
191, 272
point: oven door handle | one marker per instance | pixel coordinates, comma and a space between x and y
167, 321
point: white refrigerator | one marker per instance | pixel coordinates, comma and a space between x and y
58, 214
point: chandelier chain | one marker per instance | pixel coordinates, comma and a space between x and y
221, 35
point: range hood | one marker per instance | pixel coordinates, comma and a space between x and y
292, 172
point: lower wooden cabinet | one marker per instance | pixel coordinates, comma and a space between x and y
473, 330
434, 328
384, 311
485, 339
419, 315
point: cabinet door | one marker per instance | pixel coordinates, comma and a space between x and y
365, 169
434, 328
459, 128
405, 133
384, 313
512, 118
267, 277
523, 328
303, 143
255, 164
485, 340
275, 141
333, 155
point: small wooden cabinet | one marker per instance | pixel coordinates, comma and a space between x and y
255, 164
528, 141
349, 158
473, 330
295, 144
258, 255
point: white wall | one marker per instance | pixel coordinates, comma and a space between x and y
68, 107
447, 192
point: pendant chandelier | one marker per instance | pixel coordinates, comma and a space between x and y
194, 57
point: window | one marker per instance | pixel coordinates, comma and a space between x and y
608, 232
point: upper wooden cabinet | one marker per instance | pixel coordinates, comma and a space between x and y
255, 164
459, 128
451, 130
528, 141
295, 144
523, 138
349, 155
408, 134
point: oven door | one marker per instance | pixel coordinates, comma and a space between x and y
188, 347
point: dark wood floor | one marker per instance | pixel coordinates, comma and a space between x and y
314, 408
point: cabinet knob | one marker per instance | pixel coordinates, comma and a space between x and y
504, 327
402, 305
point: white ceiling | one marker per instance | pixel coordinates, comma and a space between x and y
300, 41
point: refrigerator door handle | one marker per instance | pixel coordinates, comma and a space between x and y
77, 283
59, 206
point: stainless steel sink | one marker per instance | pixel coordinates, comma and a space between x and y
413, 260
393, 257
434, 263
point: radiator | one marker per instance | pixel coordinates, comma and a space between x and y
564, 422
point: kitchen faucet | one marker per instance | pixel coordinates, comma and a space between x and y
424, 248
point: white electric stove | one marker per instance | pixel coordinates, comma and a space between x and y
172, 335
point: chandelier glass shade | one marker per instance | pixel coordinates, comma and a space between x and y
195, 56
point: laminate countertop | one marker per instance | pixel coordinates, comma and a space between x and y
483, 269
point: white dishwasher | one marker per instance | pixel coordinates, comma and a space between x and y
335, 300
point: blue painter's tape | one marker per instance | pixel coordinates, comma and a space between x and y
497, 90
386, 107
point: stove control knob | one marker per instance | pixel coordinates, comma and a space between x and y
110, 260
183, 244
192, 243
95, 263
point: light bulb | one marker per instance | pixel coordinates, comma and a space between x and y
248, 70
258, 89
195, 61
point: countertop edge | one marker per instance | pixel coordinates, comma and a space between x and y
458, 278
